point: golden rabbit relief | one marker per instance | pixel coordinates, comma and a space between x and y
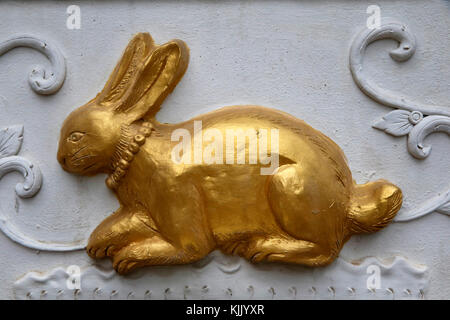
176, 206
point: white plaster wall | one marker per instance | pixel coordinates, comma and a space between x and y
289, 55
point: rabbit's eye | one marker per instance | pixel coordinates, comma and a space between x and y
75, 136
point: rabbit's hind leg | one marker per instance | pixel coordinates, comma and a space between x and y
283, 248
117, 231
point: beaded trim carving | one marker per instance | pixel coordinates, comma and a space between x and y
125, 152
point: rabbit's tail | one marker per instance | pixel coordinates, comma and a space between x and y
373, 206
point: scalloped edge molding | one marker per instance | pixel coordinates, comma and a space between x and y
399, 279
42, 81
413, 119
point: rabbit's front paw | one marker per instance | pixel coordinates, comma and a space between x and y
124, 266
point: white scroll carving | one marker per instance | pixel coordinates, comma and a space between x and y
414, 119
10, 144
405, 50
41, 80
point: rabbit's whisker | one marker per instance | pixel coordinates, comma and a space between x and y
82, 156
77, 162
88, 167
76, 152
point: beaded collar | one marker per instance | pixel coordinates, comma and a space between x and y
126, 149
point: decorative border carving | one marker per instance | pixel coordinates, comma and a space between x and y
400, 279
405, 50
413, 119
42, 81
10, 143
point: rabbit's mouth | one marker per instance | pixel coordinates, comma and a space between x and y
85, 164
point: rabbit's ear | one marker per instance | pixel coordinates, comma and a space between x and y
156, 77
126, 70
